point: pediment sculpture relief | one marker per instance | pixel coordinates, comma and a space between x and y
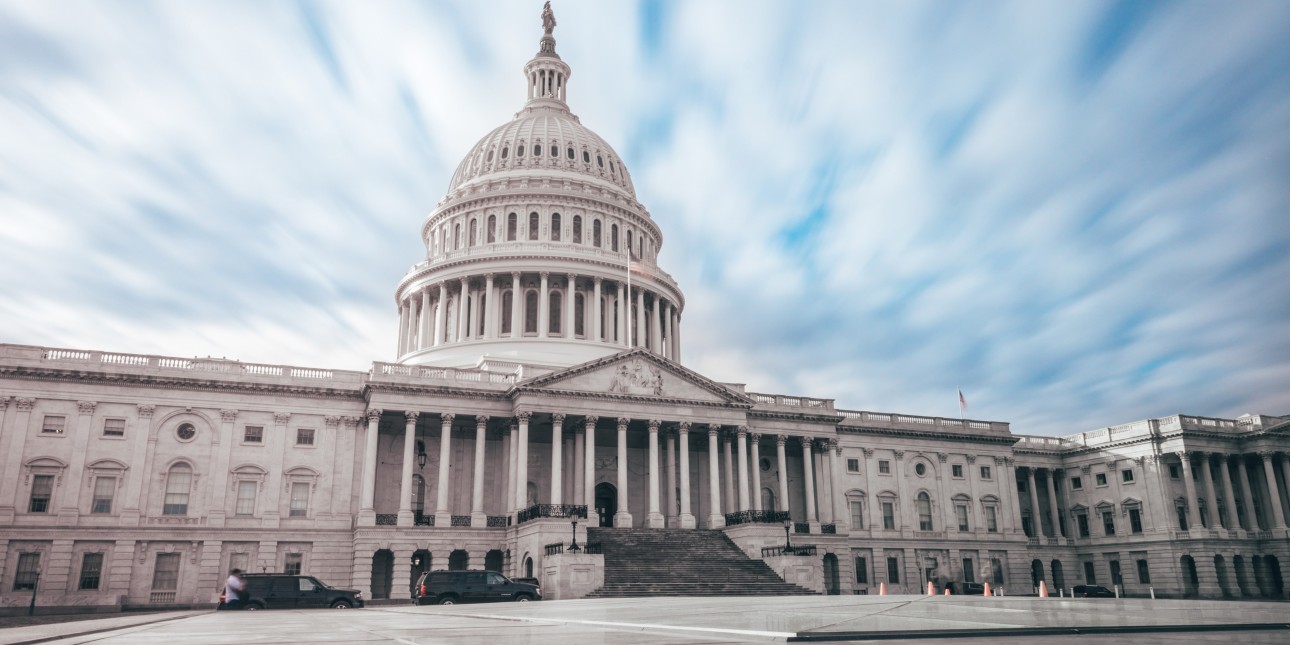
637, 377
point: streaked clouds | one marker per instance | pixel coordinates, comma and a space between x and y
1077, 212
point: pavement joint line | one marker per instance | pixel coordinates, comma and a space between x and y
808, 637
91, 632
635, 626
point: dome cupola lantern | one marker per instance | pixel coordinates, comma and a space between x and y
547, 74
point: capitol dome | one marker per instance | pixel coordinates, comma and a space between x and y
539, 256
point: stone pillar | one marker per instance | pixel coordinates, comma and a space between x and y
824, 487
589, 470
575, 466
478, 518
1274, 495
667, 330
567, 304
676, 336
403, 329
1285, 469
780, 454
639, 317
1193, 506
427, 322
656, 335
367, 510
741, 434
277, 458
512, 440
1211, 497
219, 471
620, 321
624, 517
715, 519
490, 308
557, 458
1053, 516
655, 517
840, 513
728, 459
670, 470
683, 438
439, 313
1008, 489
522, 462
808, 478
517, 306
70, 500
754, 444
544, 306
463, 323
1247, 498
1229, 498
598, 313
1036, 522
409, 453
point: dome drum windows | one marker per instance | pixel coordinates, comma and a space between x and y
492, 229
570, 153
577, 229
555, 227
595, 233
533, 226
512, 224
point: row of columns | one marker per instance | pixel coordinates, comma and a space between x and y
422, 313
1277, 497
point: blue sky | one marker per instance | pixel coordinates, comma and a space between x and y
1079, 212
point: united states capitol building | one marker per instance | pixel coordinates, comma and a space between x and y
539, 381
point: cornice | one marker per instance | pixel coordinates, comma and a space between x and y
441, 390
614, 271
794, 416
633, 398
936, 436
176, 383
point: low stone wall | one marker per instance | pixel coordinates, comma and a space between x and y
572, 575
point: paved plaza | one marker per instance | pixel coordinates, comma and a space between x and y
705, 620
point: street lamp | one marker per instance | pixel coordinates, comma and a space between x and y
788, 545
421, 455
35, 582
574, 545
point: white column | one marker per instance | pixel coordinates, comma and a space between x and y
620, 320
780, 440
808, 479
840, 511
462, 322
1285, 469
1036, 522
472, 317
824, 491
676, 333
589, 469
640, 317
403, 329
557, 458
683, 437
656, 334
490, 308
715, 519
670, 470
522, 462
1053, 515
439, 312
442, 513
742, 437
423, 337
1274, 495
409, 452
624, 517
567, 303
655, 517
575, 466
728, 459
1247, 499
367, 508
598, 321
1233, 518
512, 451
1193, 507
477, 516
754, 444
1211, 497
544, 306
517, 306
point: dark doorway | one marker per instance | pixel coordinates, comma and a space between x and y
1242, 581
1036, 573
831, 585
528, 567
1059, 576
420, 565
1220, 572
458, 560
1274, 576
382, 573
493, 561
1191, 580
606, 503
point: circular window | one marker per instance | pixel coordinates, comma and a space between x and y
920, 469
186, 431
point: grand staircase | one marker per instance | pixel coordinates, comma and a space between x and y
682, 562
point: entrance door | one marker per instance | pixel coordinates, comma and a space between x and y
831, 586
606, 503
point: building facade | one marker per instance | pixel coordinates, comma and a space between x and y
538, 380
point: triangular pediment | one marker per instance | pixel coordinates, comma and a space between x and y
637, 373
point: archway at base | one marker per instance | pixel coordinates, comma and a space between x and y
606, 503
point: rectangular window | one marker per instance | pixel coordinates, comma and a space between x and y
969, 570
291, 565
42, 488
1182, 517
1174, 472
857, 514
961, 511
253, 434
304, 436
165, 577
104, 490
1100, 479
1082, 520
246, 498
884, 467
1126, 475
888, 515
991, 520
893, 570
114, 427
1077, 483
1116, 577
956, 470
53, 424
853, 465
985, 472
1090, 576
1135, 520
996, 569
1108, 522
28, 567
862, 571
1144, 576
91, 570
299, 499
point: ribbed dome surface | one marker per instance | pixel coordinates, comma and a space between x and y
543, 138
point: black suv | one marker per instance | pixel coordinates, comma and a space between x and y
967, 588
1091, 591
452, 587
285, 591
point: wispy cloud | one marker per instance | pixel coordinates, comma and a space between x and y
1075, 211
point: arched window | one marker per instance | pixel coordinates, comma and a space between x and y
555, 227
505, 150
507, 302
456, 236
579, 312
512, 223
768, 500
569, 153
537, 150
179, 481
553, 326
450, 320
555, 151
492, 229
533, 226
530, 312
519, 150
595, 233
586, 157
474, 226
577, 229
613, 238
924, 505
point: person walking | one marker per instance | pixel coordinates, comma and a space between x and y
234, 590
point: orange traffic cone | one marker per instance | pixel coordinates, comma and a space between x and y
1043, 589
986, 592
947, 591
882, 589
931, 588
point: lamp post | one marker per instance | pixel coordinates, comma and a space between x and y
574, 545
35, 582
788, 544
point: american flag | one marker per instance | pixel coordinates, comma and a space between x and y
962, 402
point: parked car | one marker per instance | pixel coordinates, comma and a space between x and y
966, 588
1091, 591
452, 587
286, 591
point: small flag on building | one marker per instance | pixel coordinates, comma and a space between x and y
962, 403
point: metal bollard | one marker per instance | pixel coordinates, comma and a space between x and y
1153, 592
1117, 591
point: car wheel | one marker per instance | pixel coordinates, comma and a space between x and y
254, 607
341, 604
448, 600
522, 598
